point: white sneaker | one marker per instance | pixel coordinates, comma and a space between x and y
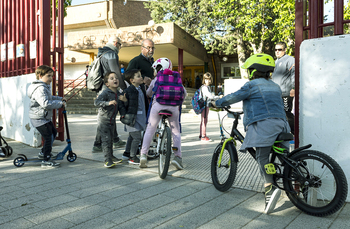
177, 162
143, 161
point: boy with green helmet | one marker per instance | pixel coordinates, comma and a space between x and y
264, 116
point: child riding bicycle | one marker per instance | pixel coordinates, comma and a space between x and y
163, 67
264, 116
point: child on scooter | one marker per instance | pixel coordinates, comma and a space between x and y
42, 103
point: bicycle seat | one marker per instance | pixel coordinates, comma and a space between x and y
285, 137
165, 112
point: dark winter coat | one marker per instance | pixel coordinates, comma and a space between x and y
131, 105
108, 112
142, 63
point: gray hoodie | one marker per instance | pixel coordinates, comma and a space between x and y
42, 102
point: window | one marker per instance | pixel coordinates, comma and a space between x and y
231, 71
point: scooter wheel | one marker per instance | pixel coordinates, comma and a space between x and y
19, 161
4, 152
71, 157
9, 150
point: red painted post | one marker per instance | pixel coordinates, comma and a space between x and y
338, 17
180, 62
313, 13
44, 33
299, 24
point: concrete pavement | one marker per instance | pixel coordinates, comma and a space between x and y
84, 194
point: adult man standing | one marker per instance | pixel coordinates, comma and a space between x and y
110, 62
144, 63
283, 75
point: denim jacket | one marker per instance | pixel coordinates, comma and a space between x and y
262, 99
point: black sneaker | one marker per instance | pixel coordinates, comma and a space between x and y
116, 160
97, 149
109, 163
134, 160
49, 164
41, 156
119, 144
272, 194
126, 156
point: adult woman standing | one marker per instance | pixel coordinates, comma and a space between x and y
208, 96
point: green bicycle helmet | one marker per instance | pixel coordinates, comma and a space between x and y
259, 62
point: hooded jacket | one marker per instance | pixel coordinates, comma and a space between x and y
110, 62
42, 102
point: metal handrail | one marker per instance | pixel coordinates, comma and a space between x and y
83, 81
74, 81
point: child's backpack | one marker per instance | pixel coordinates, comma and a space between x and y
168, 88
198, 103
95, 75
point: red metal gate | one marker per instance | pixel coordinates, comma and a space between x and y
27, 41
309, 24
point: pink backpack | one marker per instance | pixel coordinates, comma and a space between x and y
168, 88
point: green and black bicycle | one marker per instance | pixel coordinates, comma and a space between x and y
312, 180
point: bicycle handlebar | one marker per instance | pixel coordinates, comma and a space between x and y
236, 114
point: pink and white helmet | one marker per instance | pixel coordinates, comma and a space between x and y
162, 64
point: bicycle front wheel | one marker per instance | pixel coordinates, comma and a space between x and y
317, 185
165, 153
223, 173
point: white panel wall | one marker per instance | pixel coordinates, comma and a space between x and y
14, 107
233, 85
74, 71
325, 97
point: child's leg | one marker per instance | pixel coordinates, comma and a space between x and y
153, 121
204, 121
48, 132
175, 130
263, 158
136, 140
128, 144
106, 132
97, 141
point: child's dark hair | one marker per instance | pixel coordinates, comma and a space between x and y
130, 74
43, 70
257, 74
105, 78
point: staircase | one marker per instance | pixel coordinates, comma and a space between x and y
83, 102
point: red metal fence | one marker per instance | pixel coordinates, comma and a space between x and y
27, 41
309, 23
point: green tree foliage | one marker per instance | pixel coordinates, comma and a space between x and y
243, 27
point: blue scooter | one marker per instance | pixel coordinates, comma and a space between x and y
19, 161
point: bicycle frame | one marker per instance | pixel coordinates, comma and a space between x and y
276, 150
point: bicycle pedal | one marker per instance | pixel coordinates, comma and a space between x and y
270, 169
174, 148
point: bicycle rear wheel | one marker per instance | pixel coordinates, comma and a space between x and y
321, 187
165, 153
223, 174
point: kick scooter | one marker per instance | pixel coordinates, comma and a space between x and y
19, 161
